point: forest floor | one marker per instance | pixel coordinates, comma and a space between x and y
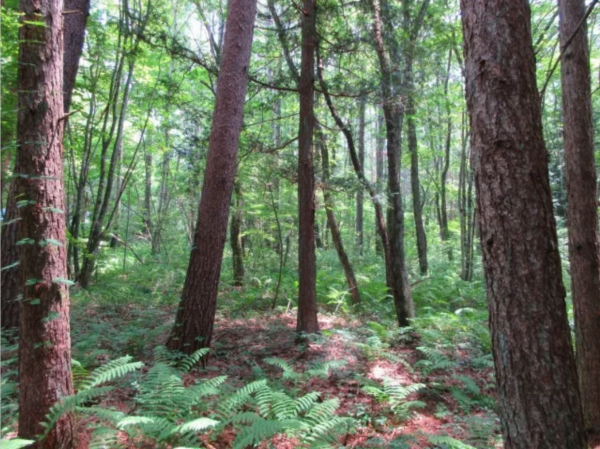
453, 409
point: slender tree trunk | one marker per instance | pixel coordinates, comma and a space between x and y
361, 158
443, 209
393, 114
307, 301
235, 237
465, 208
414, 180
536, 374
44, 340
379, 159
148, 194
75, 19
333, 226
196, 314
582, 206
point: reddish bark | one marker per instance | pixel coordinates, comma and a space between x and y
535, 368
196, 315
307, 301
582, 208
44, 345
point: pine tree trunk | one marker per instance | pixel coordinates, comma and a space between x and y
44, 340
536, 375
307, 301
235, 237
196, 314
75, 19
582, 207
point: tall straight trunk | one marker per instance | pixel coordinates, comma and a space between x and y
393, 114
74, 32
443, 209
307, 301
414, 179
582, 207
44, 339
536, 374
163, 198
235, 236
196, 314
361, 157
465, 208
333, 226
379, 161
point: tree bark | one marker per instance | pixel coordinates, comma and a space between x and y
44, 341
307, 301
535, 368
582, 206
393, 114
195, 317
361, 158
235, 237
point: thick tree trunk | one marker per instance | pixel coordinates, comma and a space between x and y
582, 207
333, 226
196, 314
535, 368
44, 341
361, 158
235, 236
393, 114
307, 301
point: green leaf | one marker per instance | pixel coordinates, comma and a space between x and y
33, 281
56, 210
35, 302
8, 267
17, 443
25, 242
50, 242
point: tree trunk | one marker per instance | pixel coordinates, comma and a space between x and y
196, 314
75, 19
379, 160
333, 226
393, 114
361, 159
582, 206
414, 178
443, 219
235, 237
307, 301
535, 368
44, 341
148, 229
465, 208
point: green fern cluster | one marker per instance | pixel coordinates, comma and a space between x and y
317, 369
274, 412
396, 395
434, 360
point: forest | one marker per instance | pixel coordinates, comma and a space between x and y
300, 224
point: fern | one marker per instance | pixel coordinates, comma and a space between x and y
447, 442
435, 360
16, 443
394, 394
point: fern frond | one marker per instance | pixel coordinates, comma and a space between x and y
110, 371
322, 369
288, 371
196, 426
239, 398
283, 406
448, 442
188, 362
16, 443
304, 403
134, 421
323, 411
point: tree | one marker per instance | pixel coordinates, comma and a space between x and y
196, 314
582, 206
307, 301
535, 368
44, 344
74, 24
